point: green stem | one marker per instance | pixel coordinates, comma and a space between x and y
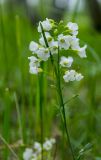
18, 43
19, 117
57, 74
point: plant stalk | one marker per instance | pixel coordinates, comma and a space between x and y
58, 83
58, 77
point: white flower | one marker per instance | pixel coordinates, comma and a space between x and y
27, 154
82, 52
41, 41
53, 141
74, 43
69, 76
78, 76
43, 53
48, 37
73, 27
72, 75
47, 145
32, 59
33, 46
64, 41
34, 70
47, 26
66, 62
34, 62
35, 153
37, 147
34, 65
54, 47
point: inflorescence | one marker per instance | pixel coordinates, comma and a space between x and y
35, 152
59, 37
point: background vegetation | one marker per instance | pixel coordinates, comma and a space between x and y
19, 92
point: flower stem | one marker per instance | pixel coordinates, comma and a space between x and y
58, 83
58, 76
64, 121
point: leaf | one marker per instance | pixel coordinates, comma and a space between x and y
87, 148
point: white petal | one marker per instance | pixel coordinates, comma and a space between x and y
78, 76
47, 145
37, 147
41, 41
74, 43
27, 154
33, 59
73, 27
64, 41
69, 76
47, 26
82, 52
33, 46
33, 70
43, 54
66, 62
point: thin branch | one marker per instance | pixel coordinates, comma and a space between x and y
9, 147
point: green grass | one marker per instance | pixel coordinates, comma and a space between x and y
19, 91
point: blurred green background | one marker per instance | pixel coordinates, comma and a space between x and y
19, 92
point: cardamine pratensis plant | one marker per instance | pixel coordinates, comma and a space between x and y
57, 41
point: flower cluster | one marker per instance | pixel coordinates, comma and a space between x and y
59, 37
35, 152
